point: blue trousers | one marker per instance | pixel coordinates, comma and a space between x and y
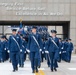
3, 56
60, 56
21, 59
64, 56
14, 58
48, 59
39, 59
0, 56
69, 56
53, 60
34, 59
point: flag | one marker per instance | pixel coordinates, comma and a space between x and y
21, 29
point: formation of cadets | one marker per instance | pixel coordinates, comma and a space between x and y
39, 45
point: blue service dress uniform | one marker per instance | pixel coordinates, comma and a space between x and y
60, 51
34, 49
3, 51
7, 54
43, 51
46, 54
64, 53
22, 52
14, 48
69, 50
0, 52
53, 52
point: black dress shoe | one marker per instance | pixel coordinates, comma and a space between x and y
19, 65
10, 61
39, 66
3, 61
14, 70
36, 70
22, 66
33, 71
55, 69
0, 61
51, 70
48, 65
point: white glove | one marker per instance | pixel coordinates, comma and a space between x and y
40, 50
44, 47
46, 52
8, 51
25, 51
5, 49
20, 50
28, 51
62, 48
60, 52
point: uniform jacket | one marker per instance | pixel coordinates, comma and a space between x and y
50, 46
32, 45
13, 47
69, 46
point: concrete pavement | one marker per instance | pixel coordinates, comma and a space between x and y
64, 68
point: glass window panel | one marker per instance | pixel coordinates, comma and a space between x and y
59, 29
7, 30
50, 28
0, 29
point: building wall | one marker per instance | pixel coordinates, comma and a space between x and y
66, 8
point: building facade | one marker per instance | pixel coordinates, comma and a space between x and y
42, 10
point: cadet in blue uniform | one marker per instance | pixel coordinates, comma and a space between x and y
52, 47
3, 48
69, 50
22, 52
15, 46
64, 55
0, 51
6, 48
43, 50
34, 47
46, 54
60, 49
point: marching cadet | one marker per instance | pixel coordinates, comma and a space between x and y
52, 47
34, 46
69, 50
22, 52
6, 48
46, 55
64, 54
3, 48
0, 51
43, 50
15, 46
60, 49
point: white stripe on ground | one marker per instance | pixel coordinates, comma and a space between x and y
72, 69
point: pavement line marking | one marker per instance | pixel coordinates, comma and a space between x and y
72, 68
36, 73
40, 73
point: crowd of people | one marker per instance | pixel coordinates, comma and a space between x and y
38, 44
